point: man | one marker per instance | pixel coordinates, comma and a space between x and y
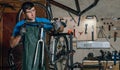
30, 38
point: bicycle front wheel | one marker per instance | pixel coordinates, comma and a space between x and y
62, 59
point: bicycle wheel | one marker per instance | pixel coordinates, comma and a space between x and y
61, 53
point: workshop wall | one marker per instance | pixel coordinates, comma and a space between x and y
105, 30
107, 17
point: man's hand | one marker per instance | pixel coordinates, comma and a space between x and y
61, 29
14, 41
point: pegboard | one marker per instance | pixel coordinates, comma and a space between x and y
85, 30
110, 27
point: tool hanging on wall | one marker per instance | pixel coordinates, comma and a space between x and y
74, 36
101, 28
86, 25
109, 29
81, 33
115, 36
92, 32
74, 33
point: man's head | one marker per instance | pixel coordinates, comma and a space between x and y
29, 10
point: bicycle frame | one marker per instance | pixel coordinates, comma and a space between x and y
53, 54
78, 11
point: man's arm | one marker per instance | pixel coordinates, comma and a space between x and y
15, 38
14, 41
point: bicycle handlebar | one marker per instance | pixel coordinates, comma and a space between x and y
37, 23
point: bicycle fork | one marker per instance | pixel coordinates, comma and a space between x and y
53, 51
40, 41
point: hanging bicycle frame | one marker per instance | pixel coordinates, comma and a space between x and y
78, 11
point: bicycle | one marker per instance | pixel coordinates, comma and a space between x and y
61, 48
59, 53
